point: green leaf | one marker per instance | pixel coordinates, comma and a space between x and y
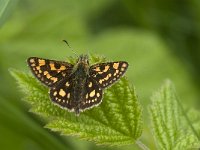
172, 128
23, 126
116, 121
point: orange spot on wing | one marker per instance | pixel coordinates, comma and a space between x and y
97, 69
41, 62
62, 68
52, 66
54, 79
115, 65
106, 68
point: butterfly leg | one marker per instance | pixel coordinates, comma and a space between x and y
77, 110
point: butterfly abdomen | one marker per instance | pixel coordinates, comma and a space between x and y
80, 76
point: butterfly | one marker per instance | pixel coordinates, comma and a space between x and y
78, 86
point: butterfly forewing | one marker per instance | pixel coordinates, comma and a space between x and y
49, 72
92, 94
105, 74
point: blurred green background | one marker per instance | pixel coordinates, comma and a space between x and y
159, 39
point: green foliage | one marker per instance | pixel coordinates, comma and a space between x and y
3, 5
25, 127
116, 121
172, 128
5, 9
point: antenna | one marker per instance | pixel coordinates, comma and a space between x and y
70, 47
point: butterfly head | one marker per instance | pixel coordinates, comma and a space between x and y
83, 59
82, 65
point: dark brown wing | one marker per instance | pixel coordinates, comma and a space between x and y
62, 94
92, 94
49, 72
105, 74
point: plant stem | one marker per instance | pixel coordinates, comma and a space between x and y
141, 145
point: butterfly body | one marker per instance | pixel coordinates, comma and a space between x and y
80, 75
76, 86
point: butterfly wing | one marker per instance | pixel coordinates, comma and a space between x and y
105, 74
62, 94
49, 72
92, 94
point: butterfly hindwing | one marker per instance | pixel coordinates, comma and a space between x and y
49, 72
92, 94
62, 94
105, 74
